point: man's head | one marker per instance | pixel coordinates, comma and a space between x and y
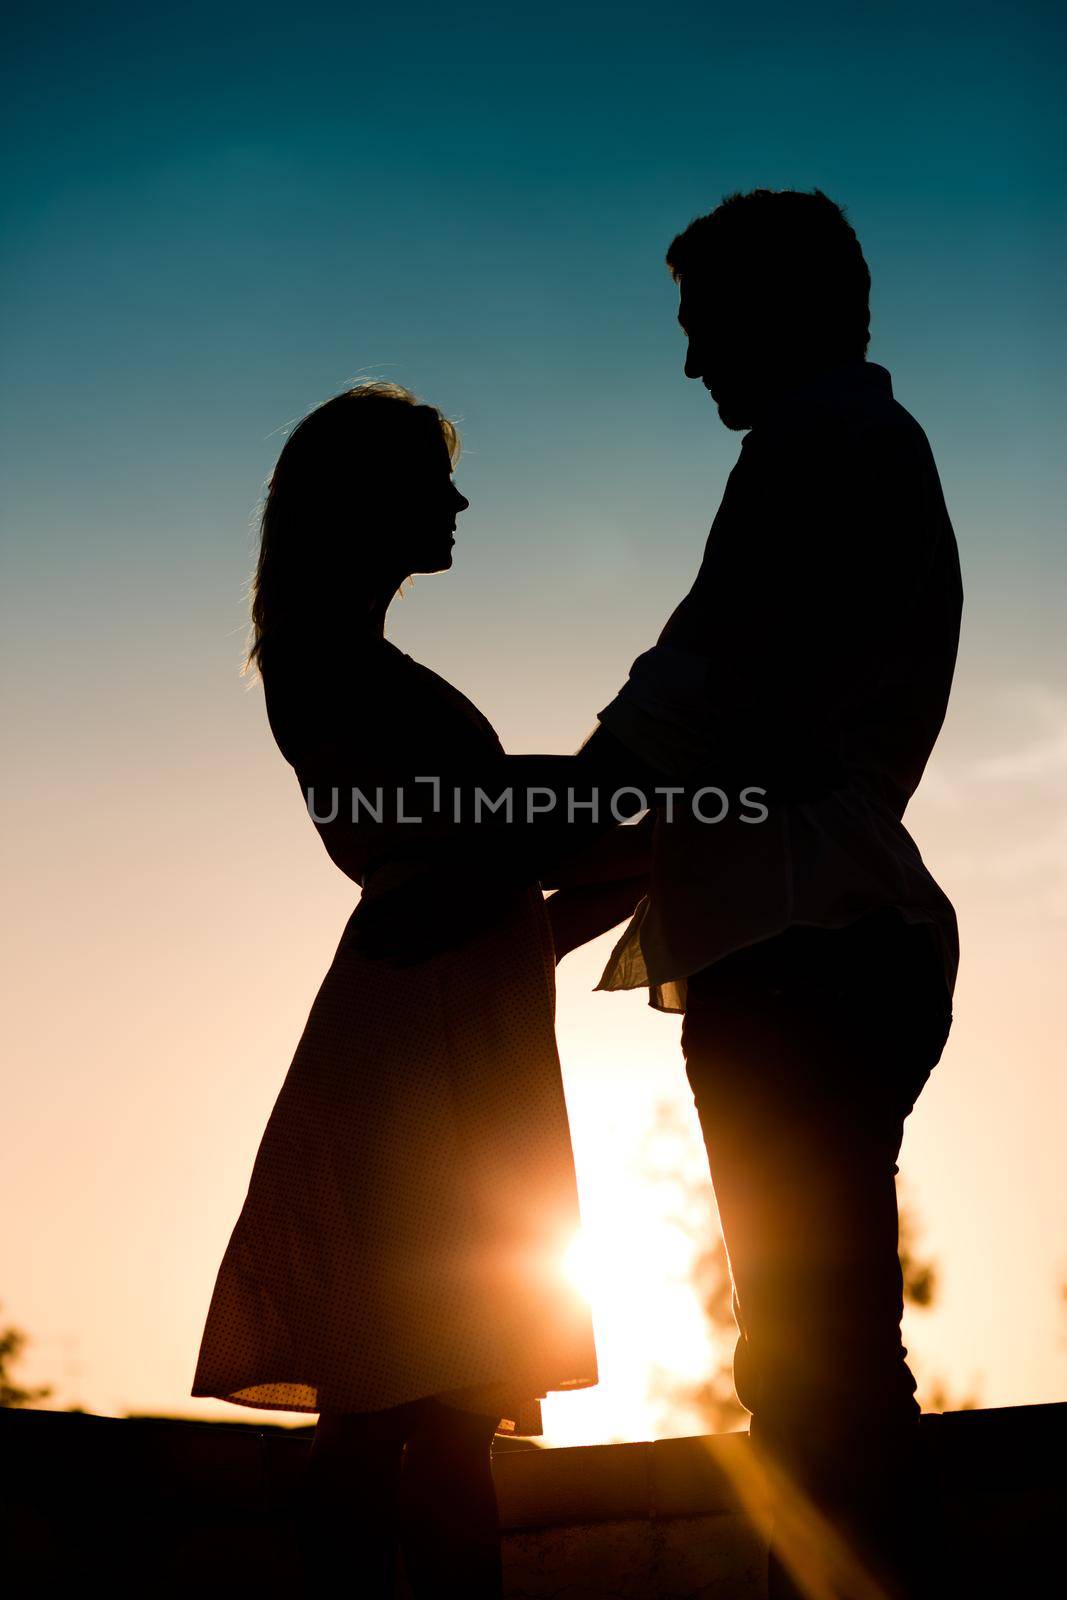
774, 288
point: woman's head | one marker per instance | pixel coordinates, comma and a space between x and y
361, 497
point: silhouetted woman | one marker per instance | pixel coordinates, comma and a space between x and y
396, 1266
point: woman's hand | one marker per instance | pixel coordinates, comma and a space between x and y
583, 913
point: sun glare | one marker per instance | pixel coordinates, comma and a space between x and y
633, 1261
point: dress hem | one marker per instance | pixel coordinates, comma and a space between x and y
447, 1397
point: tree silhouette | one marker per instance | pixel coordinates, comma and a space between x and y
920, 1277
12, 1343
921, 1285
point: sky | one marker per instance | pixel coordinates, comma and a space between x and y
214, 218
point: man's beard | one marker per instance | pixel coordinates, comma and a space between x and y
735, 412
734, 399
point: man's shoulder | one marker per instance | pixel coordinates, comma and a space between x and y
888, 437
887, 420
877, 434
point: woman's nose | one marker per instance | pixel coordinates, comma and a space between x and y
461, 501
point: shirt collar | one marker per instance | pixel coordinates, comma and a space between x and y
834, 390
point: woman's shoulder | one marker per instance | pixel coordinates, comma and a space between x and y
370, 699
317, 693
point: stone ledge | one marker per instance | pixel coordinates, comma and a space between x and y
150, 1506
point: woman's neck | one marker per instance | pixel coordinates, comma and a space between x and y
371, 616
372, 619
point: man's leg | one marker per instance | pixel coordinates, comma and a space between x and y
805, 1056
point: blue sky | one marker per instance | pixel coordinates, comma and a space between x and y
218, 216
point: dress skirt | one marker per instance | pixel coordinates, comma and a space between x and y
413, 1197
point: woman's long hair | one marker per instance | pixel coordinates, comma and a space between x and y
330, 495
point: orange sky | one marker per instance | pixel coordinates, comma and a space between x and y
172, 913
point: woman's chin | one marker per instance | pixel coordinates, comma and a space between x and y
440, 561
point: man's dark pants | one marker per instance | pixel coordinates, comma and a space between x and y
805, 1054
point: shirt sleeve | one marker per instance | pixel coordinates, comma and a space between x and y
659, 714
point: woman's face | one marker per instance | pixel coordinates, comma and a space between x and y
431, 505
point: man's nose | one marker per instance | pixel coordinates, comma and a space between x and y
694, 367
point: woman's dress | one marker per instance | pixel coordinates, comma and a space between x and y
414, 1191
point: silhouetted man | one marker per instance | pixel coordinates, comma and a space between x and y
812, 953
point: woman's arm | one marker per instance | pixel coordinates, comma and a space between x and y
520, 819
476, 854
583, 913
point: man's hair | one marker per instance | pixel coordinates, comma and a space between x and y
784, 245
